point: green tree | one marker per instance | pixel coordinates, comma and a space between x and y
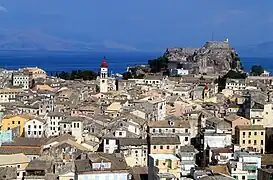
159, 64
127, 75
257, 70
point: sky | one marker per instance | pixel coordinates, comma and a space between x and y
142, 23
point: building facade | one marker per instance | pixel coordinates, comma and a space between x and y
251, 136
34, 128
104, 77
20, 79
163, 166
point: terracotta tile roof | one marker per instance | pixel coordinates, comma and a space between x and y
166, 124
250, 127
221, 169
171, 140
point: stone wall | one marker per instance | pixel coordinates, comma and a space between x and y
213, 57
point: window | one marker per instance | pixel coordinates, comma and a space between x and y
107, 141
35, 132
262, 133
35, 126
8, 128
40, 132
159, 130
120, 133
249, 133
153, 130
40, 127
255, 133
29, 126
28, 132
64, 125
19, 122
262, 151
243, 177
244, 141
18, 174
186, 130
244, 133
161, 147
186, 138
78, 125
262, 142
255, 142
249, 141
173, 130
154, 147
168, 147
13, 122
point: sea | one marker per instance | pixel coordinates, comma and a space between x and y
118, 62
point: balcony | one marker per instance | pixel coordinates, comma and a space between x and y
251, 177
251, 168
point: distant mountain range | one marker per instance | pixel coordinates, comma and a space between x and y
35, 40
264, 49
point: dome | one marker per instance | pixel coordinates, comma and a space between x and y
104, 64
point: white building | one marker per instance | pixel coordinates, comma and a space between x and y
135, 151
235, 84
104, 76
53, 126
154, 108
261, 114
265, 73
8, 94
153, 81
102, 166
245, 165
72, 125
34, 128
180, 128
215, 138
20, 79
187, 156
179, 72
77, 129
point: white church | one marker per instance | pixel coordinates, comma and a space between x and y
106, 83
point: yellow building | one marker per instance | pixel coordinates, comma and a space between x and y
164, 145
251, 136
12, 121
163, 167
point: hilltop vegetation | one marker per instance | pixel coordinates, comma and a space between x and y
77, 74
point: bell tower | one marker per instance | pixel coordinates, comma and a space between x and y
104, 76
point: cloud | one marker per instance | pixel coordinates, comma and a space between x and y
3, 9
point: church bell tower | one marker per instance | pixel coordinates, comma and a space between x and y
104, 76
